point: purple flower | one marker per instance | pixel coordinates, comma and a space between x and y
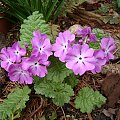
87, 33
80, 59
18, 51
108, 46
100, 60
63, 43
16, 73
41, 44
7, 58
36, 65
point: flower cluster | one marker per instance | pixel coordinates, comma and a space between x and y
70, 48
21, 67
78, 56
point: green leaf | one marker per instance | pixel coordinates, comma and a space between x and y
36, 22
104, 8
42, 118
99, 33
44, 87
21, 9
71, 80
59, 9
62, 94
51, 8
95, 45
59, 92
14, 103
53, 116
88, 99
32, 23
57, 70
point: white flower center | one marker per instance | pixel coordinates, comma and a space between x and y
79, 58
41, 49
36, 64
65, 46
17, 52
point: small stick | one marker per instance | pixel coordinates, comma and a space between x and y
89, 116
63, 113
115, 51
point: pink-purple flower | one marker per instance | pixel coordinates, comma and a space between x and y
80, 59
62, 45
7, 58
100, 60
108, 46
86, 33
18, 51
36, 65
16, 73
41, 44
77, 57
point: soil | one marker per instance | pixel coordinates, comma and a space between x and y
107, 82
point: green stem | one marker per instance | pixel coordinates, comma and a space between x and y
12, 117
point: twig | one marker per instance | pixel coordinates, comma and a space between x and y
63, 113
115, 51
89, 116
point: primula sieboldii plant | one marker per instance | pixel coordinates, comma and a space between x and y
21, 67
71, 49
77, 54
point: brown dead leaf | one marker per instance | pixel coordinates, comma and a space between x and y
111, 88
109, 113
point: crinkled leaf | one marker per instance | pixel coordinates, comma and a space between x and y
104, 8
71, 80
99, 33
62, 94
95, 45
36, 22
32, 23
88, 99
14, 102
59, 92
57, 71
44, 87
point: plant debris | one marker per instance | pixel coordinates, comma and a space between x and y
111, 88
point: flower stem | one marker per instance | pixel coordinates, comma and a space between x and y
89, 116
